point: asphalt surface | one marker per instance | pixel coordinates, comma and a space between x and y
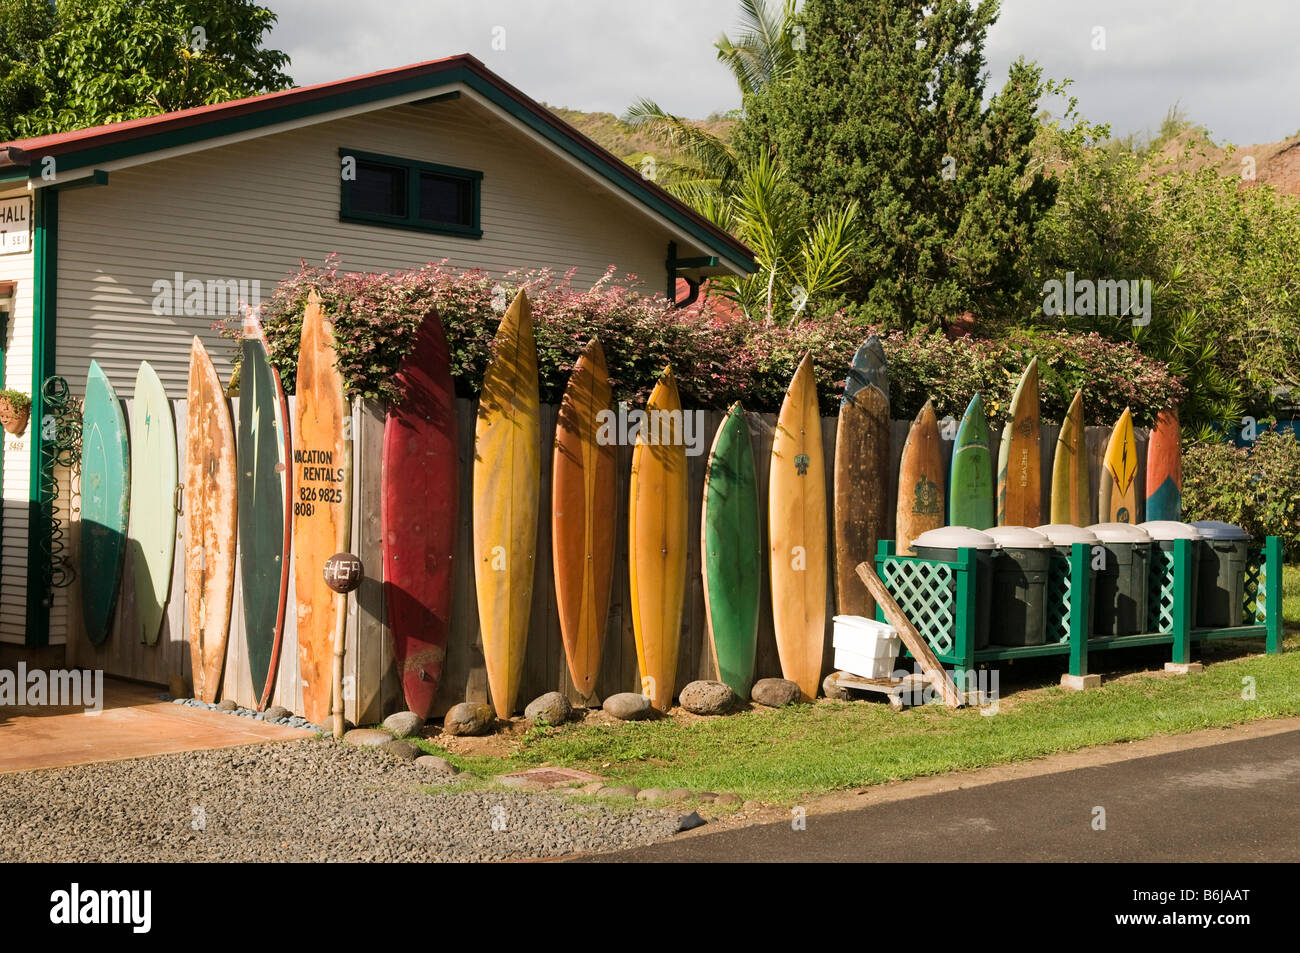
1237, 801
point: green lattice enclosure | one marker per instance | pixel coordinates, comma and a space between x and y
939, 599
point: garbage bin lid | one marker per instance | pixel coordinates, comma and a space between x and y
1170, 529
1019, 537
1063, 534
1217, 529
1120, 533
955, 537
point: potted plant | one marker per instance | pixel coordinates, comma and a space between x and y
15, 406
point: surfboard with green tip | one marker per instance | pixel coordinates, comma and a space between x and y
731, 541
970, 484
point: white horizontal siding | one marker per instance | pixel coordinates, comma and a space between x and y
17, 375
252, 210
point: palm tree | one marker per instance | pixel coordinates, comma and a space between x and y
764, 51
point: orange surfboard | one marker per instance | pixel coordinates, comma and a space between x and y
322, 507
920, 482
210, 508
582, 517
1165, 469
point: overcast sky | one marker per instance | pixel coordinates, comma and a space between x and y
1234, 67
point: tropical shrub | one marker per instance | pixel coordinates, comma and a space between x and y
715, 358
1255, 487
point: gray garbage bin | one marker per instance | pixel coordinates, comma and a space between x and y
1063, 537
1021, 565
943, 544
1222, 578
1163, 533
1121, 582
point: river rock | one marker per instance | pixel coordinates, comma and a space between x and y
651, 794
726, 798
775, 692
468, 718
432, 762
549, 709
622, 790
404, 724
628, 706
367, 737
707, 698
275, 713
226, 704
401, 749
831, 688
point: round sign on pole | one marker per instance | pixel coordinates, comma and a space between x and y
343, 572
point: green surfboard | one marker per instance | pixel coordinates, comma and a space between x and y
105, 479
151, 535
731, 540
970, 487
263, 501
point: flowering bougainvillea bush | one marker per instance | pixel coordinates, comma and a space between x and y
715, 357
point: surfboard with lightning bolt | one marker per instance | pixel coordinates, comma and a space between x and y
1117, 499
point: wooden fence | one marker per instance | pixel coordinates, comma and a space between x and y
371, 686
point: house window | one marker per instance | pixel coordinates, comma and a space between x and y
404, 193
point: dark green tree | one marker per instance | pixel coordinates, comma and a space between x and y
82, 63
885, 105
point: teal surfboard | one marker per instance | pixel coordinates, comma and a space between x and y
151, 532
105, 480
731, 541
970, 487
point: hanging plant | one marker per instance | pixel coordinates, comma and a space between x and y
15, 408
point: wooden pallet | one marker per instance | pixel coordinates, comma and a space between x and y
899, 692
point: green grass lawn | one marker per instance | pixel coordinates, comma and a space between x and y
781, 756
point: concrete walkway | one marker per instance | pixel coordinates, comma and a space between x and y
132, 724
1232, 801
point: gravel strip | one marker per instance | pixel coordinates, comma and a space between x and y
311, 800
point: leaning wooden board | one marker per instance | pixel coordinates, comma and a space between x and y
1164, 479
920, 481
970, 480
731, 537
507, 483
1019, 461
656, 542
1117, 494
796, 520
105, 485
151, 535
419, 512
322, 509
210, 508
1071, 488
265, 512
862, 461
583, 481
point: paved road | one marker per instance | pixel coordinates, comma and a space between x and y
1237, 801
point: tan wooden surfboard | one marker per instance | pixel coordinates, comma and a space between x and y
507, 481
920, 482
1019, 461
322, 507
796, 519
1071, 488
656, 542
210, 506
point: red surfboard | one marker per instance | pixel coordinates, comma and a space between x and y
420, 502
1165, 469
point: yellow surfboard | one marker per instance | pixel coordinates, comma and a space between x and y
1117, 499
507, 476
656, 541
796, 519
1071, 500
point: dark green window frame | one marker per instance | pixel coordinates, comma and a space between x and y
411, 220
